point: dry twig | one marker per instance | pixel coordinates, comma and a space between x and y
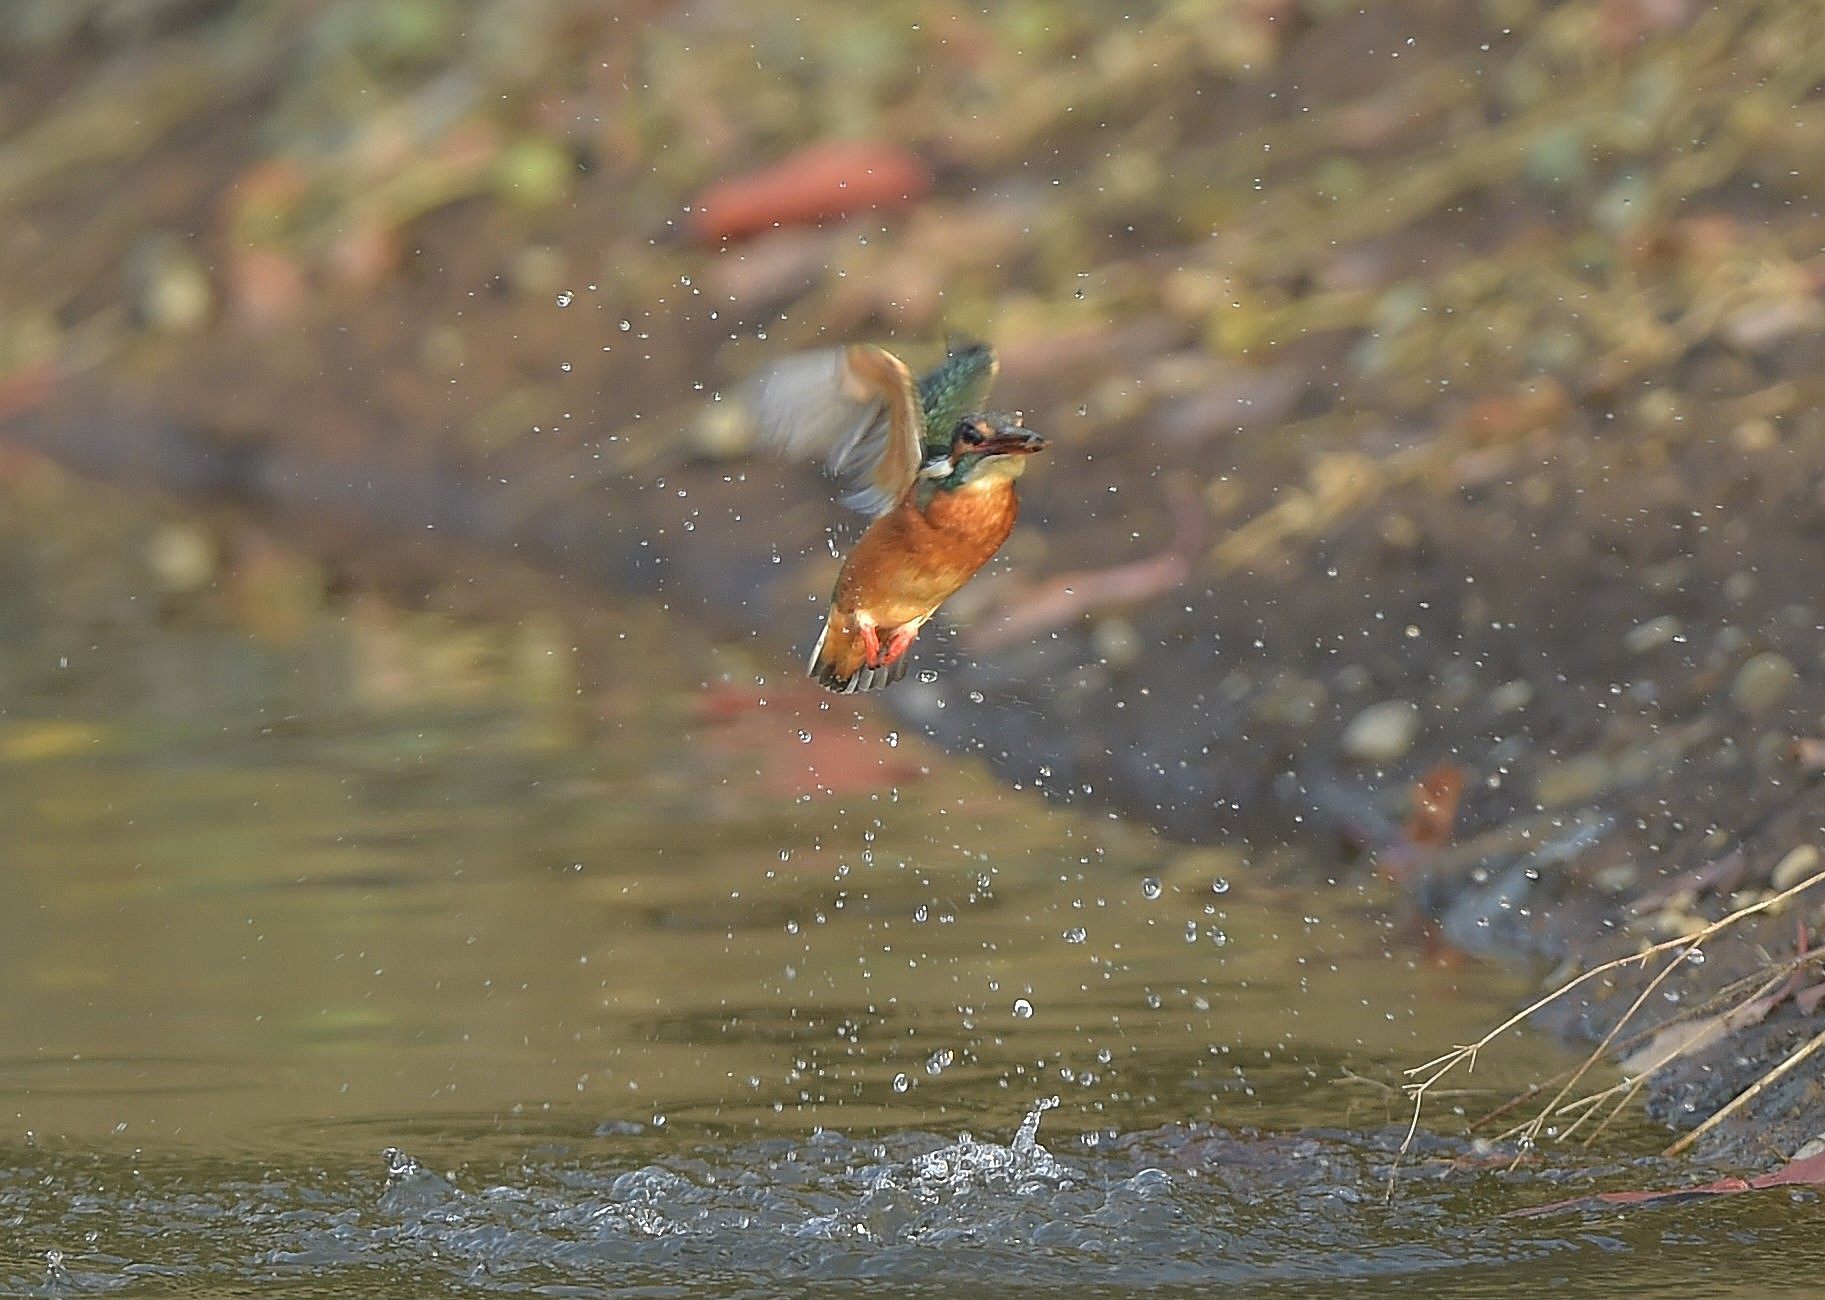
1426, 1077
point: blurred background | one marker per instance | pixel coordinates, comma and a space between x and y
402, 735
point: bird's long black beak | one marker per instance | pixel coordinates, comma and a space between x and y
1013, 438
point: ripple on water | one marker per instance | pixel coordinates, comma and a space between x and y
1189, 1205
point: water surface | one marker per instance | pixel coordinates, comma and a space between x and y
650, 969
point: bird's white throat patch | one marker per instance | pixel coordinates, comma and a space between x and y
996, 468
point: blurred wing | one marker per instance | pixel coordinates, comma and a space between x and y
857, 407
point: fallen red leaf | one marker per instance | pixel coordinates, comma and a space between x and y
820, 182
1807, 1172
1435, 800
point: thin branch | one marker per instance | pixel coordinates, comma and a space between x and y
1425, 1077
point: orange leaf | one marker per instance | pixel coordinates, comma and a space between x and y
817, 183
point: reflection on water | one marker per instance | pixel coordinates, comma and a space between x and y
563, 902
289, 859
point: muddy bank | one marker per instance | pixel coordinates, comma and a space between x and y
1426, 407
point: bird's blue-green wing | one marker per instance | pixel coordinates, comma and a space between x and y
957, 386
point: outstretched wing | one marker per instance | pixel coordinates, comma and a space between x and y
857, 407
958, 386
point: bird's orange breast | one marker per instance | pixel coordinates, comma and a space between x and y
911, 560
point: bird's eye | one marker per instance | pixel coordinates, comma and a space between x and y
969, 433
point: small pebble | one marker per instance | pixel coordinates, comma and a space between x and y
1115, 642
1799, 863
1811, 1147
1617, 878
1294, 701
174, 292
182, 557
1511, 697
1763, 682
1573, 780
721, 431
1382, 732
1652, 634
1675, 924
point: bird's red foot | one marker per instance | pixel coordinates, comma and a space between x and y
898, 641
871, 644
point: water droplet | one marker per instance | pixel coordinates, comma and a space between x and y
1219, 886
626, 325
564, 366
566, 298
1076, 934
1151, 887
940, 1061
893, 740
804, 737
1023, 1010
901, 1083
399, 1165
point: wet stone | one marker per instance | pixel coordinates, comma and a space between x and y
1729, 640
1457, 687
1116, 642
1798, 864
1672, 923
1653, 634
1763, 682
1294, 701
1617, 878
721, 431
1511, 697
1573, 780
182, 557
173, 291
1382, 733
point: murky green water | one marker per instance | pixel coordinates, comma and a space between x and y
657, 980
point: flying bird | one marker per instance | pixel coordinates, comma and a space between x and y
921, 457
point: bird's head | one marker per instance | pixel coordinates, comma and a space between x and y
985, 445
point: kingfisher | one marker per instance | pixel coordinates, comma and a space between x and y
934, 471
